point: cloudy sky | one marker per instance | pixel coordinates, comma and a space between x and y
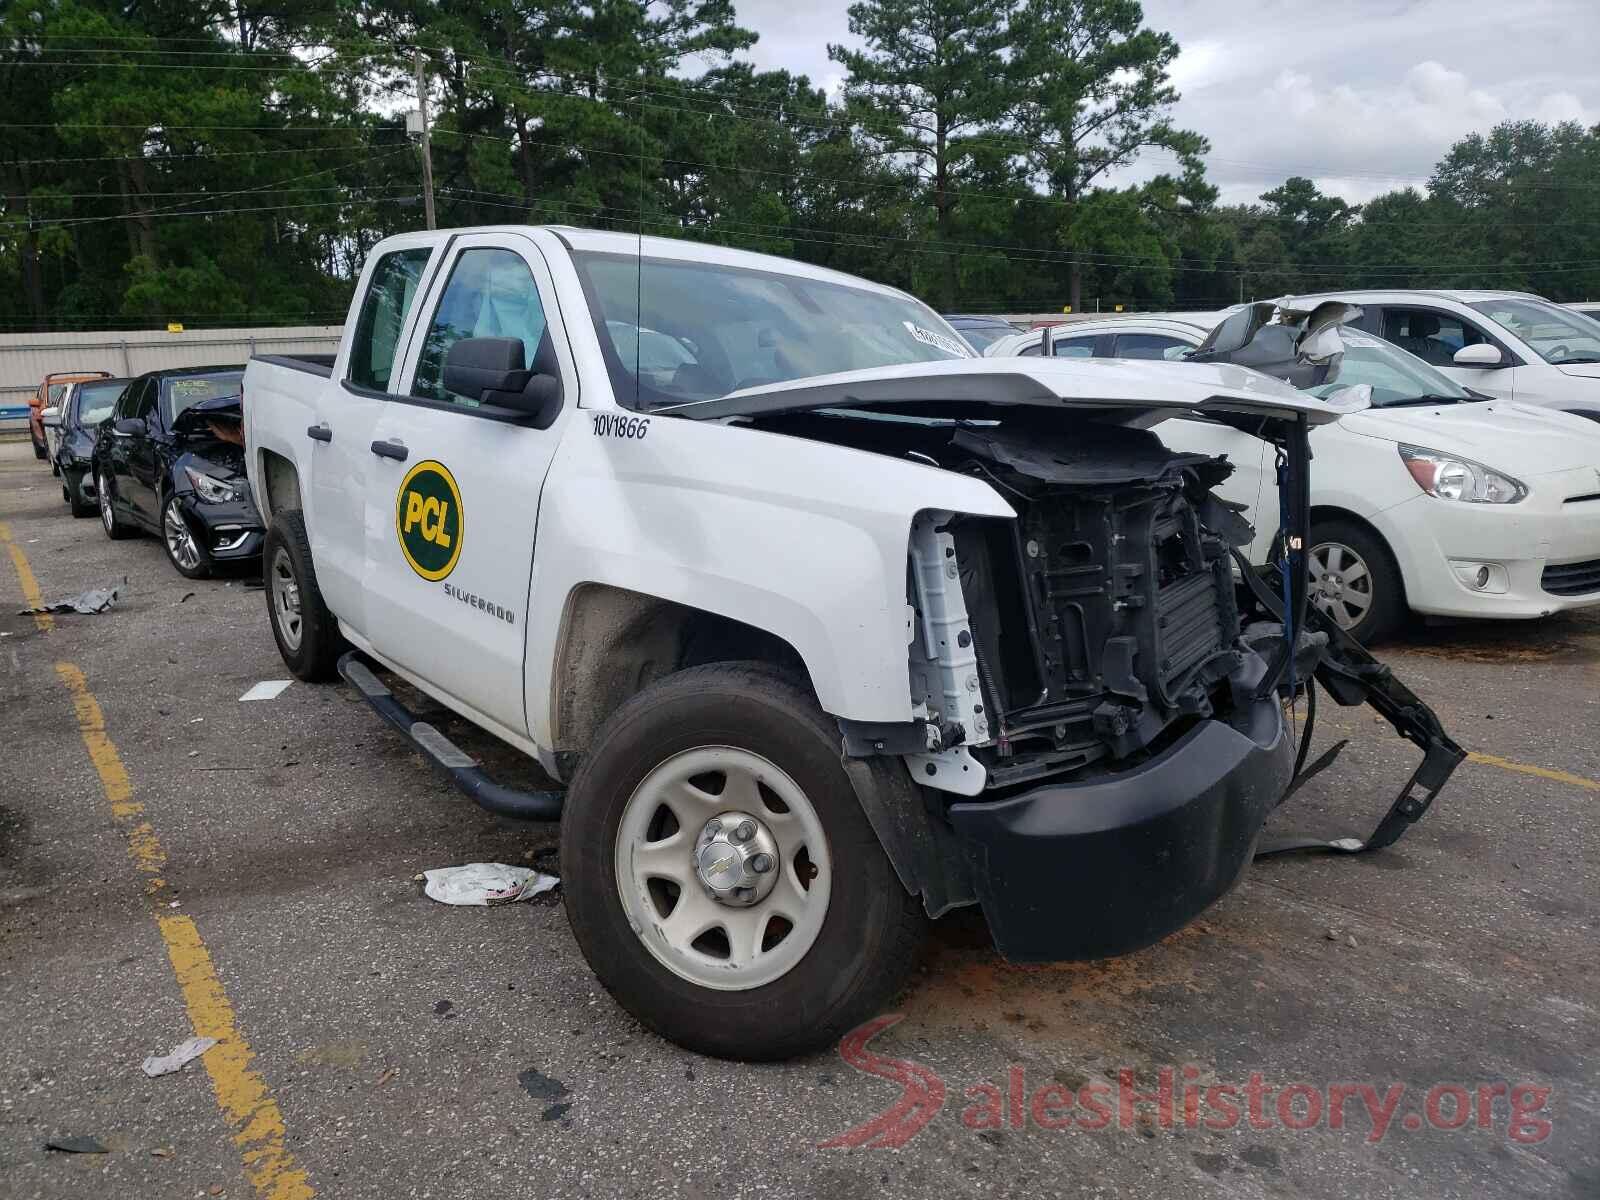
1361, 95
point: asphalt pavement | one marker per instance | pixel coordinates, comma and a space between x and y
256, 875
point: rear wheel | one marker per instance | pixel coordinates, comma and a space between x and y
82, 506
109, 521
1355, 581
306, 632
721, 877
184, 551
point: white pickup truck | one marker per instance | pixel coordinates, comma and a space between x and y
821, 621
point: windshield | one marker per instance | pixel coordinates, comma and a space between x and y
1558, 334
185, 391
709, 329
1394, 376
95, 401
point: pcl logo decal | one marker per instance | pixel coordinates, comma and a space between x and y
428, 518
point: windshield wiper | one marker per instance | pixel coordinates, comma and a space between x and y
1577, 358
1425, 398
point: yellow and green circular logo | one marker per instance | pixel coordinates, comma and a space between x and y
428, 518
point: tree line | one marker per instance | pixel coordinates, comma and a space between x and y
230, 162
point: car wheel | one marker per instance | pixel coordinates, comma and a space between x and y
39, 451
109, 521
306, 632
81, 505
184, 551
720, 875
1355, 581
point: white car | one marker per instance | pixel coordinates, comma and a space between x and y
1433, 500
1510, 345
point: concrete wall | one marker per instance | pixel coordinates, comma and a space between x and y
26, 358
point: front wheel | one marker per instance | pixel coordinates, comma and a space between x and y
306, 632
184, 551
720, 875
1354, 580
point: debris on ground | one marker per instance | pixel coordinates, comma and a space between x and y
161, 1152
95, 600
388, 1076
267, 689
76, 1145
485, 883
179, 1056
185, 598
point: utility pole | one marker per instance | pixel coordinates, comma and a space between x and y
427, 151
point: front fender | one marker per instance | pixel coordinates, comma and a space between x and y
805, 540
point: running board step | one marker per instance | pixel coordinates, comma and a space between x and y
461, 768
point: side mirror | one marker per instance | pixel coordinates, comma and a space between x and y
129, 427
1481, 356
51, 417
490, 370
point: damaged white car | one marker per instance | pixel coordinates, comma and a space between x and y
822, 624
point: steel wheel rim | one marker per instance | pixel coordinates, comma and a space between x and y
106, 517
687, 931
1341, 583
185, 551
285, 591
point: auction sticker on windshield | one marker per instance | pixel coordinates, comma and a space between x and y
940, 341
429, 520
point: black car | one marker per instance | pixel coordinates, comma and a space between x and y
85, 406
170, 460
980, 331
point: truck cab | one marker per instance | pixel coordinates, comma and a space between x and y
823, 624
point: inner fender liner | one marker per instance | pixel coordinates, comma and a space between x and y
1109, 865
925, 853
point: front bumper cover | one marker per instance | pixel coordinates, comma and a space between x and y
229, 532
1105, 866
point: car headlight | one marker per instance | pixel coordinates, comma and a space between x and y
1450, 478
209, 488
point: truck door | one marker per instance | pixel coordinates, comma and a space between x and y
347, 411
454, 487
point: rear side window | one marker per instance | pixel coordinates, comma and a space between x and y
383, 316
491, 293
1149, 345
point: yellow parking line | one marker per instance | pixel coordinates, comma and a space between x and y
30, 585
251, 1112
1506, 764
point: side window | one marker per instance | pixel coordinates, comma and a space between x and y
1431, 335
490, 293
145, 406
1149, 345
1078, 347
383, 316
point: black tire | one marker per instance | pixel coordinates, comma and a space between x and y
81, 507
202, 567
113, 526
38, 451
871, 932
1386, 591
313, 654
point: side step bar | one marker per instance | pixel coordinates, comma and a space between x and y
461, 768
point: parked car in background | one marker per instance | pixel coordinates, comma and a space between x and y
170, 460
1434, 500
1510, 345
980, 331
1589, 308
51, 390
85, 405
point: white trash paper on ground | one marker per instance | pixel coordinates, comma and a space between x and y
181, 1055
267, 689
486, 883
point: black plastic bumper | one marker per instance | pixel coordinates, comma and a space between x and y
229, 532
1093, 869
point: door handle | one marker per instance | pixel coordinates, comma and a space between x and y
392, 450
319, 433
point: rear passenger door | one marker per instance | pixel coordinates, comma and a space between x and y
454, 486
339, 451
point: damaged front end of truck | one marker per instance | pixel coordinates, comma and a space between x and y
1101, 685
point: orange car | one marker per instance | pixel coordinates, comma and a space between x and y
51, 390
